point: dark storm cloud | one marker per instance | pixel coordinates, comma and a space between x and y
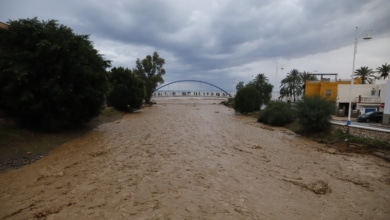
207, 38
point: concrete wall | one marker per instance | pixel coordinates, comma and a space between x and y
372, 133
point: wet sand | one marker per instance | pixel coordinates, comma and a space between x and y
196, 159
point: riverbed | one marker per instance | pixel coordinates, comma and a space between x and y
194, 158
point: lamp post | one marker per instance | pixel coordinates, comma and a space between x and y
367, 37
276, 79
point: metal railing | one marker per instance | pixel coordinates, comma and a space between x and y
368, 99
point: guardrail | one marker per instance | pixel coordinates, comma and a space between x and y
368, 99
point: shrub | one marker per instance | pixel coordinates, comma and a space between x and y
246, 100
50, 77
229, 102
127, 90
314, 114
277, 114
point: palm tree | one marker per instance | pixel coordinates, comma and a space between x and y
291, 85
365, 74
305, 76
383, 70
284, 92
263, 87
260, 78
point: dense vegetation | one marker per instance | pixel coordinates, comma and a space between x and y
314, 114
127, 91
246, 100
50, 77
252, 96
277, 114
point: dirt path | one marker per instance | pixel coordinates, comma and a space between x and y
196, 159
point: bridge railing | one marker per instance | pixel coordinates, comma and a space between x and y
221, 92
190, 93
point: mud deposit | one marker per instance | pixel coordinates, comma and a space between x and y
196, 159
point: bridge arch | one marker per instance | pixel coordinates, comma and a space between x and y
191, 80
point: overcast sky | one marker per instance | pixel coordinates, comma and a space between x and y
225, 41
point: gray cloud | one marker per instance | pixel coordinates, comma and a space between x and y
210, 39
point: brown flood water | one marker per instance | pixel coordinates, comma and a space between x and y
196, 159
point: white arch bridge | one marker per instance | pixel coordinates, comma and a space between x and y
196, 88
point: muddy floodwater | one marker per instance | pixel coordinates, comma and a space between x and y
196, 159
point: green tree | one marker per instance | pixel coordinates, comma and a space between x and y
150, 70
306, 76
365, 74
240, 85
314, 114
264, 89
277, 114
383, 70
127, 91
246, 99
49, 76
291, 85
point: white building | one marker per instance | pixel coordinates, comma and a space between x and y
365, 97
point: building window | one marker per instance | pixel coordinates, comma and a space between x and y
328, 92
373, 91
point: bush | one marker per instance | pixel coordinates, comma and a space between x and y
49, 76
314, 114
229, 102
277, 114
246, 100
127, 90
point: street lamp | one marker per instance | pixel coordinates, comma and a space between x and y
276, 78
367, 37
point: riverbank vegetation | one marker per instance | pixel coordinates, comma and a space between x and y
50, 77
55, 86
310, 117
252, 96
53, 79
312, 114
277, 114
127, 91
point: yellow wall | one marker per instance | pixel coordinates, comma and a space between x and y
312, 88
320, 88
